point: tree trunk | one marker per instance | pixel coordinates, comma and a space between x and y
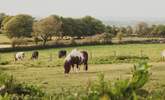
44, 42
44, 38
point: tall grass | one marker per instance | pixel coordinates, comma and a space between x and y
100, 89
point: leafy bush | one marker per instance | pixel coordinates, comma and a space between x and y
10, 88
103, 38
116, 90
158, 94
18, 41
72, 41
100, 89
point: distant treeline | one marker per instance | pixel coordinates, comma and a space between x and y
24, 25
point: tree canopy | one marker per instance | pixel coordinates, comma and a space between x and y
47, 27
19, 26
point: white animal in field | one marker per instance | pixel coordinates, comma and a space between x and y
19, 56
163, 55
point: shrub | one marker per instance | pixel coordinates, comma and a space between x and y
119, 36
36, 40
104, 38
58, 42
10, 88
72, 41
121, 89
18, 42
115, 90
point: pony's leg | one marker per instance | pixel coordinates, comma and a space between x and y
73, 67
85, 66
78, 68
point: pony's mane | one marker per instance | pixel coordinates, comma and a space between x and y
74, 53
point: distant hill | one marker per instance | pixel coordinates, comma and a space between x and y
131, 21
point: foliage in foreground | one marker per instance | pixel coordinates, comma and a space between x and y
10, 89
101, 89
116, 90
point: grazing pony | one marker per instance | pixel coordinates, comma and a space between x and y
76, 57
163, 55
19, 56
35, 55
62, 53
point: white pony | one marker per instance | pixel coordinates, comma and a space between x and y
163, 55
19, 56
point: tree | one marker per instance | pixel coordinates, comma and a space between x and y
119, 36
158, 30
67, 26
85, 26
5, 20
73, 27
141, 28
93, 26
46, 28
108, 29
123, 30
2, 16
19, 26
115, 30
129, 30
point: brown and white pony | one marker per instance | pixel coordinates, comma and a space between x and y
76, 57
19, 56
35, 55
62, 53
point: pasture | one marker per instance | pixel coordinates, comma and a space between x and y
47, 72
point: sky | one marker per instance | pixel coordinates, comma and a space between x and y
80, 8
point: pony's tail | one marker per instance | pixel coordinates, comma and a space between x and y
85, 54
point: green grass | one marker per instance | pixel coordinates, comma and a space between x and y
52, 79
49, 74
153, 51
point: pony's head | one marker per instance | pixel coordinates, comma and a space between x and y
67, 66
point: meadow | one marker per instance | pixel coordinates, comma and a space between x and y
48, 72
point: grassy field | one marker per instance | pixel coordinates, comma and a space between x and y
48, 73
153, 51
4, 39
53, 79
